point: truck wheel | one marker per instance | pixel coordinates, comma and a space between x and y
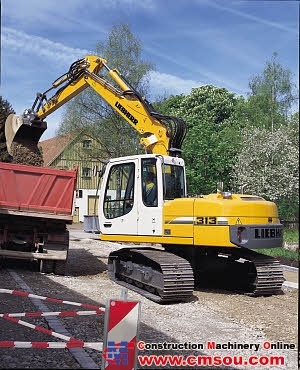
46, 266
60, 267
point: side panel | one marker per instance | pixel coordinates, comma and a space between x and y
36, 189
213, 221
191, 221
178, 219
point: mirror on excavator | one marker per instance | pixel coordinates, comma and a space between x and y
23, 128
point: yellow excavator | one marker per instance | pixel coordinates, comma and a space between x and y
175, 241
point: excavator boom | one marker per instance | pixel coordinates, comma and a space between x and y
159, 134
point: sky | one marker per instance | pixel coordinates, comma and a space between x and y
190, 42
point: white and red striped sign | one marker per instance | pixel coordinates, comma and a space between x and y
120, 341
120, 330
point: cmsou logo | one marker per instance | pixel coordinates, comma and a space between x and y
118, 353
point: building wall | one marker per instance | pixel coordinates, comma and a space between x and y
76, 154
82, 202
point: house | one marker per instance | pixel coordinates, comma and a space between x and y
67, 151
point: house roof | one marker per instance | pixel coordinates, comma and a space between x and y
51, 148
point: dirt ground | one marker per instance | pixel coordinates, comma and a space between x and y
211, 315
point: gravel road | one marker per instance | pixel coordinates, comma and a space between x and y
211, 315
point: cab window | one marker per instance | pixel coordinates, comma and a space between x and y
149, 182
119, 192
173, 182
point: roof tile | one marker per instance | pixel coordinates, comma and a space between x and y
51, 148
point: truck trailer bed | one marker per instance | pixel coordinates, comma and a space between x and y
36, 189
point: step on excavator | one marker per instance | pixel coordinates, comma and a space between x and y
172, 241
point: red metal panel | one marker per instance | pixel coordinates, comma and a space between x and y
37, 189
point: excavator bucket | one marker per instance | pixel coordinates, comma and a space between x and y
18, 129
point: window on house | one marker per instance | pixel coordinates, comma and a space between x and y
79, 193
86, 144
86, 172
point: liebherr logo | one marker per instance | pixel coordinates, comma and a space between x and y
126, 113
267, 233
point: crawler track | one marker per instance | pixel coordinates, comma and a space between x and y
241, 270
155, 274
166, 277
269, 275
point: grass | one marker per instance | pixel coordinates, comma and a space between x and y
279, 252
291, 235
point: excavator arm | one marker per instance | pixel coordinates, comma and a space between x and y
159, 134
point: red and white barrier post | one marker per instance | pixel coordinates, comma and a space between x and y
122, 319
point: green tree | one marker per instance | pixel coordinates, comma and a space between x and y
272, 95
212, 140
269, 155
168, 105
5, 110
112, 135
269, 164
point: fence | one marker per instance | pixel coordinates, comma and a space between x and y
120, 329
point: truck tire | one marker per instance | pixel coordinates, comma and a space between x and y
46, 266
60, 267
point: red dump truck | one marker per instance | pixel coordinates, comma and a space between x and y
36, 204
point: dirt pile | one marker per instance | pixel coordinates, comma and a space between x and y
26, 152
